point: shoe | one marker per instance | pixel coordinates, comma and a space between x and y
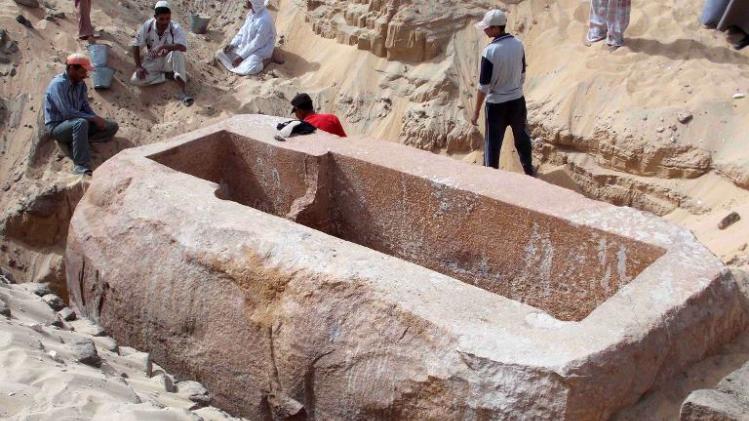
81, 170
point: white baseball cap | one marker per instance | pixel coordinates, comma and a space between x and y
494, 17
161, 3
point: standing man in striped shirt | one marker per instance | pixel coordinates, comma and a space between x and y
501, 86
85, 29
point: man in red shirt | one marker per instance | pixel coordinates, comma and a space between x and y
305, 111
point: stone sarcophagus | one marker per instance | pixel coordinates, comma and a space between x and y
327, 278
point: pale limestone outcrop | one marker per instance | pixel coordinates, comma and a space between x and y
342, 279
405, 30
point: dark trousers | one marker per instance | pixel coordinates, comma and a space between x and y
498, 117
77, 133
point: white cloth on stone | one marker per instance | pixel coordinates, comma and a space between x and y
254, 42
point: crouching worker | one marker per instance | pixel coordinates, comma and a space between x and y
304, 110
68, 116
253, 46
166, 45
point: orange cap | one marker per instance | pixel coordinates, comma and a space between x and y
81, 60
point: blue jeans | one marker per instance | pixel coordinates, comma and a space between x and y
498, 117
77, 133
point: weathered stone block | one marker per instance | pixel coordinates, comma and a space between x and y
66, 314
84, 352
54, 302
350, 279
729, 402
4, 309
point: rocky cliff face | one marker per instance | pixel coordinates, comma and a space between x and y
405, 30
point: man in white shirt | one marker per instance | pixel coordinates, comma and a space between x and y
501, 86
253, 45
166, 44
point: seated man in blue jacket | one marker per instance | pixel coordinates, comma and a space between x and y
68, 116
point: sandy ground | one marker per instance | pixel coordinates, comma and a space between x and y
606, 123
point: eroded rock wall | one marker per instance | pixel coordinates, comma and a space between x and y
404, 30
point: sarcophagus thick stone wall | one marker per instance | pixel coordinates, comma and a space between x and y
354, 279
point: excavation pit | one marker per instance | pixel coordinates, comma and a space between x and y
337, 279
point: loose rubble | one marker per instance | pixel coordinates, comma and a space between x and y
54, 302
23, 21
28, 3
66, 314
684, 117
84, 352
729, 401
87, 327
195, 392
112, 383
4, 309
38, 289
729, 220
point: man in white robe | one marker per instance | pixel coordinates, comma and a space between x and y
254, 43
